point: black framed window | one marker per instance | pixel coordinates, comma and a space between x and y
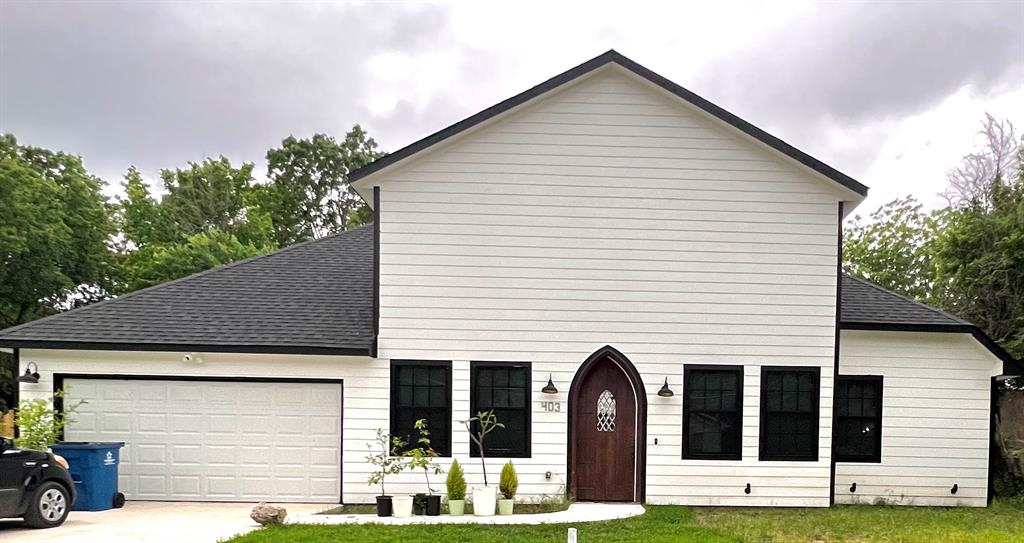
422, 390
789, 413
713, 412
858, 418
503, 387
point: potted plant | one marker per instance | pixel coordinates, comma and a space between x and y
484, 497
387, 462
507, 486
456, 485
422, 457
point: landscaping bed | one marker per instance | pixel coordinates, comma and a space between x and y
1003, 522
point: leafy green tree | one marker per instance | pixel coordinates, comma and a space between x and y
894, 248
54, 239
310, 195
211, 215
979, 261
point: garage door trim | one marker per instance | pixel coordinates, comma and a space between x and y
58, 403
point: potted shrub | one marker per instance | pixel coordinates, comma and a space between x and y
386, 462
456, 485
422, 457
484, 497
508, 485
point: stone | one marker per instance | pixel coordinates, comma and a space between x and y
265, 514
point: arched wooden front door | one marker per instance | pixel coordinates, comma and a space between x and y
607, 409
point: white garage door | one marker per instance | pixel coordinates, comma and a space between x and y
216, 440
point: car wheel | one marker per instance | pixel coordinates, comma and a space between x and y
49, 506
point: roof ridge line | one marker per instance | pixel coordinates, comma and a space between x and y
907, 298
229, 265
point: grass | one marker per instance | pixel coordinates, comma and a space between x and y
1001, 523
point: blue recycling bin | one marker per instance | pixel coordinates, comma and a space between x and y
93, 468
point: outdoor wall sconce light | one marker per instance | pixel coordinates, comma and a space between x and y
954, 489
30, 375
550, 387
747, 489
664, 391
853, 487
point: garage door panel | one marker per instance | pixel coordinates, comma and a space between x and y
201, 440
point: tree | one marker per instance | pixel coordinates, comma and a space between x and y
310, 195
893, 248
210, 216
979, 261
996, 159
54, 239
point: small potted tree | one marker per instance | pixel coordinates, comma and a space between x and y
483, 423
508, 485
456, 485
422, 457
386, 462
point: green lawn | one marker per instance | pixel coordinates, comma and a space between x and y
1003, 522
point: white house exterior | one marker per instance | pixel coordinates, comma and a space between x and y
608, 231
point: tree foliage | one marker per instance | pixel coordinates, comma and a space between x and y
979, 259
893, 248
210, 216
968, 258
54, 251
309, 194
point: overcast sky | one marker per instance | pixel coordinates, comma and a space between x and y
891, 94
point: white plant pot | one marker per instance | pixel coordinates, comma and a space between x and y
401, 506
484, 500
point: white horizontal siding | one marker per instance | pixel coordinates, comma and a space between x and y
935, 418
609, 213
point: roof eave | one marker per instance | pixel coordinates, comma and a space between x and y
186, 347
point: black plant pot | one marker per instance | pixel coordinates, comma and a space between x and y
433, 505
383, 506
419, 504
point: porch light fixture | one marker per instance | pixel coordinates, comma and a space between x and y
30, 375
550, 387
664, 391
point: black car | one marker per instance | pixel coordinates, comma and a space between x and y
34, 485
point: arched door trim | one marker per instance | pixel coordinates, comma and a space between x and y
639, 393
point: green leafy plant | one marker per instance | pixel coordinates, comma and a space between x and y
509, 483
422, 457
456, 482
39, 422
479, 425
385, 457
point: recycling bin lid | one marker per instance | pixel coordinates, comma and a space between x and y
88, 444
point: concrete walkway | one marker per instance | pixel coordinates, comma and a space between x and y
150, 522
577, 512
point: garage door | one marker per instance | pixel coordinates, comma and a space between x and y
216, 440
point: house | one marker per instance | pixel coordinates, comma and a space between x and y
644, 287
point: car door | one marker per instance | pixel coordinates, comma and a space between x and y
13, 470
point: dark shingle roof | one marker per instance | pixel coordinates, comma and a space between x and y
312, 297
867, 303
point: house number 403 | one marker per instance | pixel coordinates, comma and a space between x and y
552, 407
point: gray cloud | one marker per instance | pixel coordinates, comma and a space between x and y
862, 64
158, 84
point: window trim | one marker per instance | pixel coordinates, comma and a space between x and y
473, 365
762, 454
876, 456
687, 369
447, 364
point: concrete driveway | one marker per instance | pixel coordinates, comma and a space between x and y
145, 522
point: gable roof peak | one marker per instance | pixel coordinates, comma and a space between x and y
587, 67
